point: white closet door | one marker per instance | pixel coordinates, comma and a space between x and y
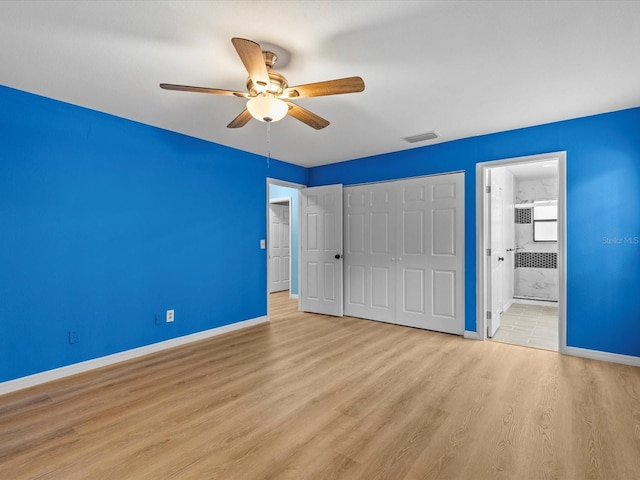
279, 249
404, 252
369, 251
412, 262
430, 263
321, 250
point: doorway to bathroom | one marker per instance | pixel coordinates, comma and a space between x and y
521, 251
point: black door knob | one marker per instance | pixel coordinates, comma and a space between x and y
338, 256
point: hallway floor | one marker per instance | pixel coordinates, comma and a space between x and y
529, 325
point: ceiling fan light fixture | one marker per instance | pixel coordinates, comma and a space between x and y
268, 92
267, 108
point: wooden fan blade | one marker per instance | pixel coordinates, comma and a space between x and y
216, 91
330, 87
251, 55
305, 116
241, 120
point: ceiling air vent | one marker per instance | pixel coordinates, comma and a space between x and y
422, 137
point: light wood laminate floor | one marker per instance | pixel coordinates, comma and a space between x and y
316, 397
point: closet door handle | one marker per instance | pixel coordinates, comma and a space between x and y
338, 256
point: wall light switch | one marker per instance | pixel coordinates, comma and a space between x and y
263, 244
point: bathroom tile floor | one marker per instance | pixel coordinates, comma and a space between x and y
529, 325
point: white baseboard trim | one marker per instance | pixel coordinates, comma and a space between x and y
57, 373
468, 334
604, 356
293, 295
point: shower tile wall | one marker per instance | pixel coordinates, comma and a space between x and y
543, 189
535, 283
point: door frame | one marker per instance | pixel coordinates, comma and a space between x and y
481, 241
296, 186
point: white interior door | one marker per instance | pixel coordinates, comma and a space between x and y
279, 248
321, 264
370, 246
496, 259
430, 262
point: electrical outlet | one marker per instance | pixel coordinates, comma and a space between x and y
170, 315
73, 337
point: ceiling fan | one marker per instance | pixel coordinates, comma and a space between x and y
269, 92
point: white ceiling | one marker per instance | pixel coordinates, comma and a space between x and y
538, 170
461, 68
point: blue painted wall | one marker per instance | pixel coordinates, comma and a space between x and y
603, 213
279, 191
106, 223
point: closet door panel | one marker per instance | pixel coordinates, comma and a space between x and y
413, 291
431, 209
443, 294
446, 253
412, 236
355, 286
413, 240
443, 231
380, 231
380, 288
370, 275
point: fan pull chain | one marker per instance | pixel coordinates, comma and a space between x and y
268, 144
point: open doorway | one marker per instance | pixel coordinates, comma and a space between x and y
282, 273
521, 251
